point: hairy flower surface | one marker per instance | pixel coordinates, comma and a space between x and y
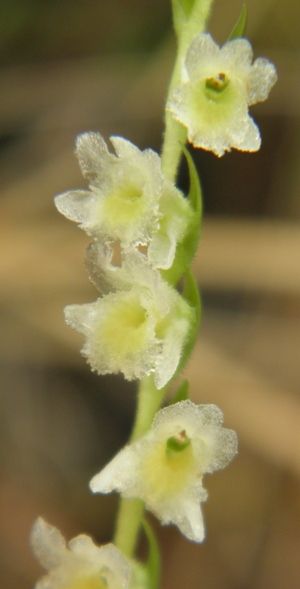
129, 199
80, 565
139, 328
165, 468
216, 89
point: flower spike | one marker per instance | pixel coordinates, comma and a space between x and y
216, 89
165, 468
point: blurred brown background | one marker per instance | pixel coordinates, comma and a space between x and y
69, 66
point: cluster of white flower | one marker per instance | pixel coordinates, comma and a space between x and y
141, 325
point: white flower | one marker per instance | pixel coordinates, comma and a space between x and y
165, 468
81, 564
217, 87
129, 199
138, 329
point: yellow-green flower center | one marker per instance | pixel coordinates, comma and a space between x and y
214, 101
125, 327
91, 582
168, 468
177, 444
124, 204
129, 192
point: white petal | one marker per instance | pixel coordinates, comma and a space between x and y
191, 522
83, 560
93, 156
248, 137
124, 148
226, 446
237, 55
262, 78
170, 420
201, 53
172, 345
77, 205
118, 473
210, 415
97, 559
48, 544
81, 317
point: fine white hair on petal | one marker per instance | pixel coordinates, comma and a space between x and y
129, 200
48, 544
191, 524
151, 319
93, 155
261, 79
237, 54
79, 564
201, 54
212, 101
124, 192
171, 486
76, 205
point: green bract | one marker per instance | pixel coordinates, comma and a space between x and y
187, 247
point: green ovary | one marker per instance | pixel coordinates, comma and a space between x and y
167, 476
125, 328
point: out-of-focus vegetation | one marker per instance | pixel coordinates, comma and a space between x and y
35, 29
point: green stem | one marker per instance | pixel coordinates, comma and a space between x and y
128, 524
149, 401
175, 133
149, 397
131, 510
